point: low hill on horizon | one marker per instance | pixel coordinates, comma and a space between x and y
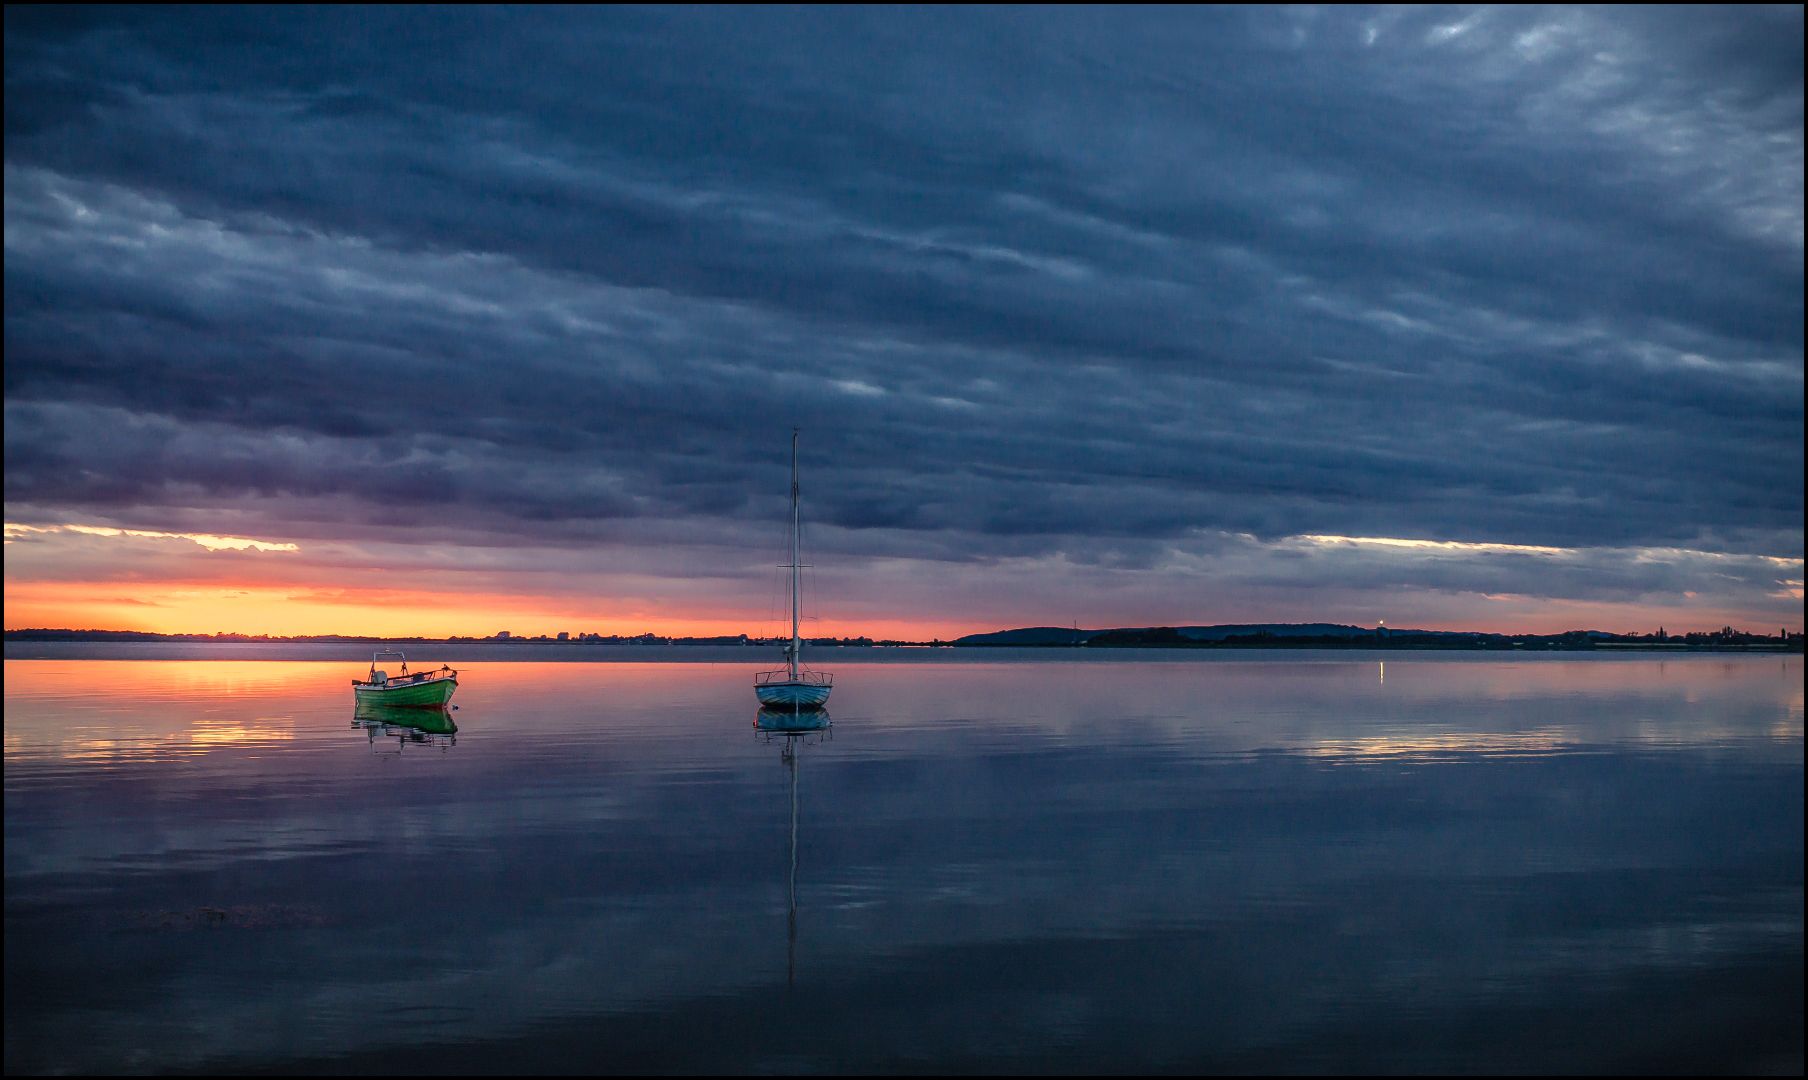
1067, 635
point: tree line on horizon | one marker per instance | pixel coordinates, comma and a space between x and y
1309, 635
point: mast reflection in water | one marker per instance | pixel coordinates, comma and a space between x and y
797, 729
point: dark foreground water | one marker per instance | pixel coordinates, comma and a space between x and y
1291, 862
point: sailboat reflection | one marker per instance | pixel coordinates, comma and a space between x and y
798, 729
422, 727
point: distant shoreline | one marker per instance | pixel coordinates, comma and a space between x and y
1385, 645
1091, 641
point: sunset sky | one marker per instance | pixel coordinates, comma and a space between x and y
449, 321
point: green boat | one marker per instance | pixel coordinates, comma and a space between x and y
408, 690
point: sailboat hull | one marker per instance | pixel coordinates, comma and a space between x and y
792, 695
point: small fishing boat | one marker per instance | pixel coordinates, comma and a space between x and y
418, 690
793, 687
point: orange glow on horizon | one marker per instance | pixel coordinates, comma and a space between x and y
103, 577
208, 607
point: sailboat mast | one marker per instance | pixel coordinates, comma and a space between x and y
795, 642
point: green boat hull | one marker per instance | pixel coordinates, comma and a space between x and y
421, 695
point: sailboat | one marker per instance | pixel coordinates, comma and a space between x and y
794, 686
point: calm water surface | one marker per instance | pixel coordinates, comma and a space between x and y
1286, 862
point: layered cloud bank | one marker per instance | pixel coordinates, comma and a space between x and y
1489, 319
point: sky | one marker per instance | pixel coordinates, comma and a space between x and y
398, 321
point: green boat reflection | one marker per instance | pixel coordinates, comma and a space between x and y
406, 724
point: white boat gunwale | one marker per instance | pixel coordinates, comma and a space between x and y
802, 677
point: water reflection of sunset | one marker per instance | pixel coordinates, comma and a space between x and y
100, 711
1429, 707
198, 739
132, 682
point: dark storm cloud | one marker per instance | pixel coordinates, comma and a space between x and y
1090, 282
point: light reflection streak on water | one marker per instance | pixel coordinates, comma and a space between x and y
1448, 747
